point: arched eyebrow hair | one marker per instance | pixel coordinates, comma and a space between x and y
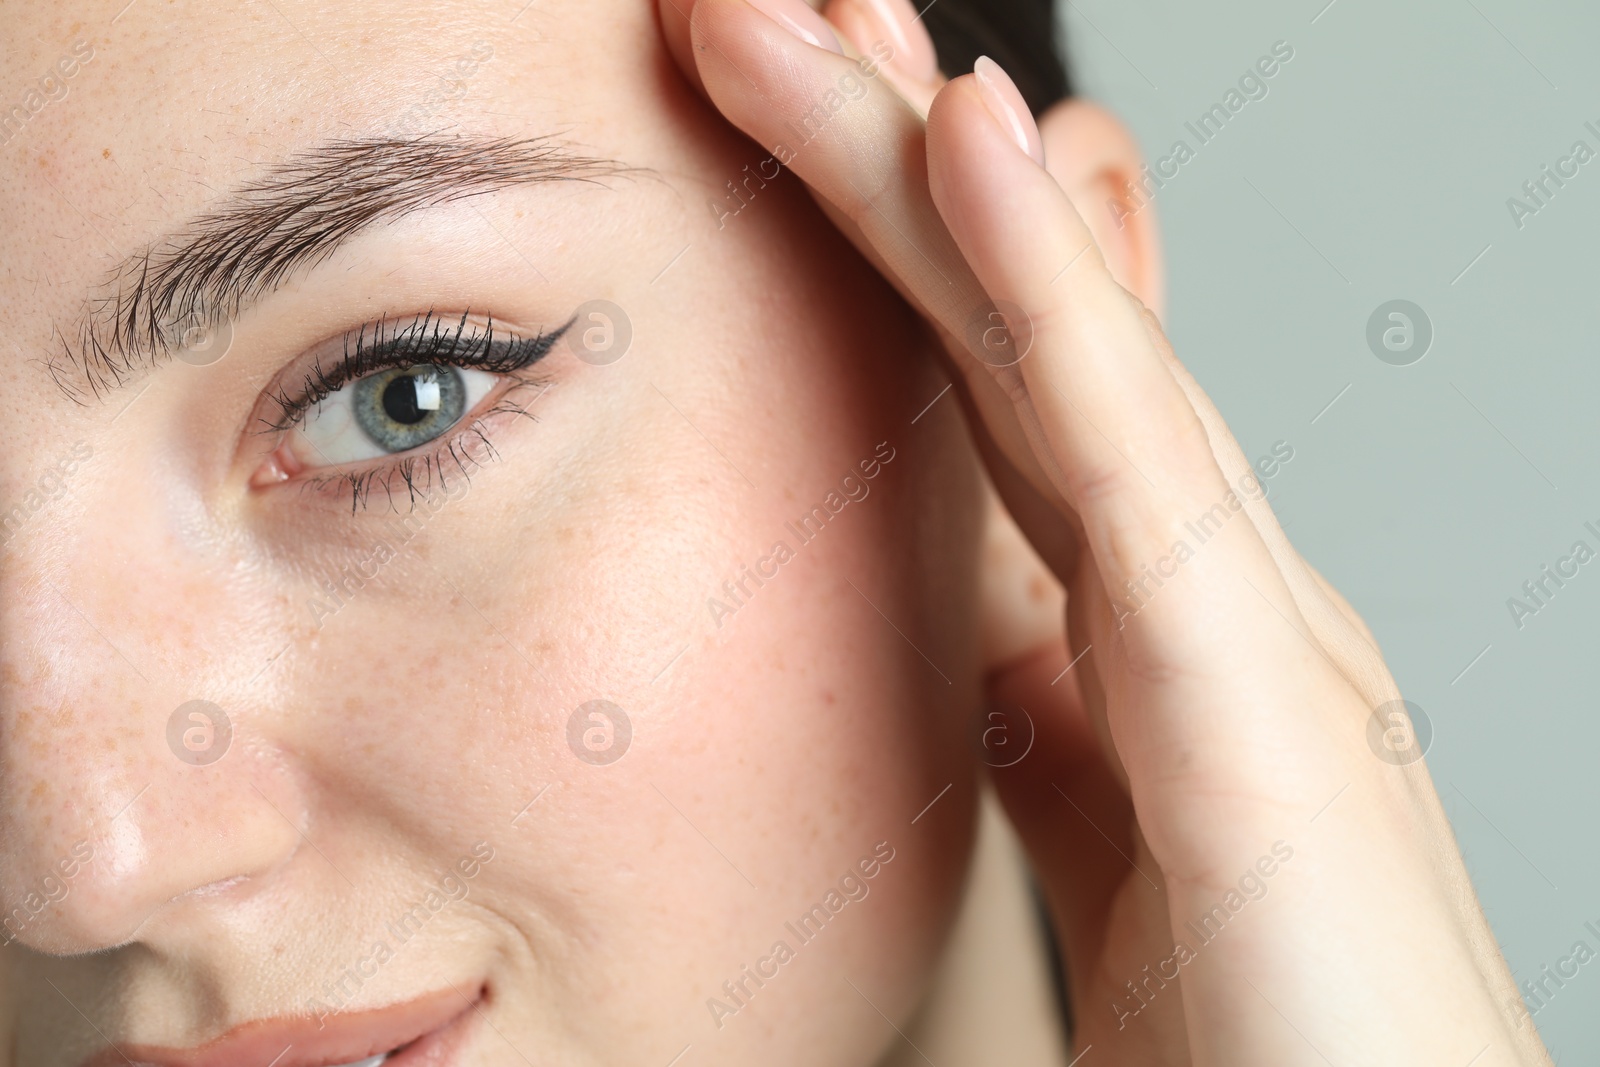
291, 218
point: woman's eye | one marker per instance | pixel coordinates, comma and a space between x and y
387, 412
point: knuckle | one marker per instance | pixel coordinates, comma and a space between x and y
1098, 484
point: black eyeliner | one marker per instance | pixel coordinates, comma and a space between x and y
425, 340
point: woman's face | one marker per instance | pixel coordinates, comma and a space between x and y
304, 627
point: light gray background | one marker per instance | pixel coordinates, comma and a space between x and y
1381, 161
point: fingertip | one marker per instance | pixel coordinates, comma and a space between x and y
800, 19
675, 16
956, 104
974, 162
890, 31
1005, 105
993, 193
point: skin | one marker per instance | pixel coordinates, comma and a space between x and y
378, 748
1219, 715
374, 747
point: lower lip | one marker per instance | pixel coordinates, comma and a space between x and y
443, 1047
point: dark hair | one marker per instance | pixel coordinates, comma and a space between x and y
1020, 35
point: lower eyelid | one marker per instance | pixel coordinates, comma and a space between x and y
439, 466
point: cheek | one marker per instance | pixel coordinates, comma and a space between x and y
672, 759
707, 763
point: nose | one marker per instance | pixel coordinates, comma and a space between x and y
129, 777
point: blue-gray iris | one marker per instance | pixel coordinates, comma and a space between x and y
404, 407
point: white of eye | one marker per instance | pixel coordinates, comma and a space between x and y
329, 435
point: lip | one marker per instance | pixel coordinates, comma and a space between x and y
428, 1028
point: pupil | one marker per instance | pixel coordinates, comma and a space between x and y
400, 401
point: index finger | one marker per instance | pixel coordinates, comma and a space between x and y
862, 152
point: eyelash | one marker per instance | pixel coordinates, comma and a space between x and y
426, 339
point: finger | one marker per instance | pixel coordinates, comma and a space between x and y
1133, 457
1106, 894
674, 15
861, 151
1331, 618
891, 33
1063, 765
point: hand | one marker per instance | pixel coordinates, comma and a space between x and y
1237, 876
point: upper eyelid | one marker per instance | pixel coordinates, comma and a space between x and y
386, 351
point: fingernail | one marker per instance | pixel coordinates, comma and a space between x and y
1005, 103
797, 17
895, 23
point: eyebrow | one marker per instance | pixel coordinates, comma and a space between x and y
291, 218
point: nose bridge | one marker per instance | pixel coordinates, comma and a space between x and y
120, 790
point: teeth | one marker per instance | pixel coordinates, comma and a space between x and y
370, 1061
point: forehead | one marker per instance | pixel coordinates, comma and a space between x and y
301, 58
119, 119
